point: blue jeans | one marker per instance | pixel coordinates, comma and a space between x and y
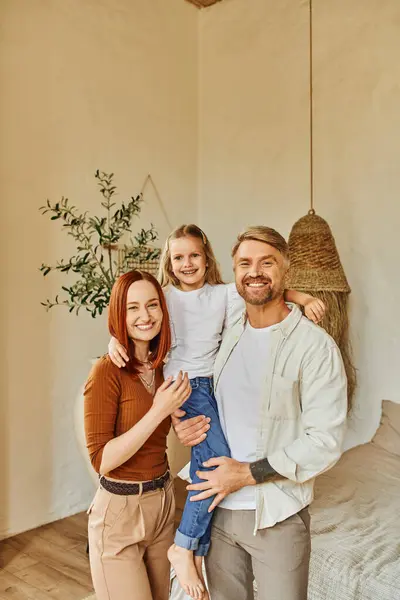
194, 531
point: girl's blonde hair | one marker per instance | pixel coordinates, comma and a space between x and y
165, 273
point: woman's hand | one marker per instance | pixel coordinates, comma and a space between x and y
314, 309
117, 353
171, 395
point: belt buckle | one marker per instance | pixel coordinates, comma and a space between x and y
158, 483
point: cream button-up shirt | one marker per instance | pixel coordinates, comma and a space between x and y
303, 415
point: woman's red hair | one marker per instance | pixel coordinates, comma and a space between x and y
117, 311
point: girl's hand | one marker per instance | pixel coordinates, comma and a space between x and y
117, 353
314, 309
171, 395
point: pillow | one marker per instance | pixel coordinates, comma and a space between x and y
388, 434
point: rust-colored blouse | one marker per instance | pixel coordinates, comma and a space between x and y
115, 400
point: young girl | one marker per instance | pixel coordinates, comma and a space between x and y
201, 307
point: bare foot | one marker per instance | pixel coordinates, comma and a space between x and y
184, 567
198, 562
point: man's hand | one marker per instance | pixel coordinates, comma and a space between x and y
229, 476
190, 432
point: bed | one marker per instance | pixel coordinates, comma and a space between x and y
356, 520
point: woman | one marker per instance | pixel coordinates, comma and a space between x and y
127, 419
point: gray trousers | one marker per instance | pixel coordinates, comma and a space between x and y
277, 558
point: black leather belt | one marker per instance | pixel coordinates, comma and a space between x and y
121, 488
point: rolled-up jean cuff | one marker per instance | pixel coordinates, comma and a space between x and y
202, 550
184, 541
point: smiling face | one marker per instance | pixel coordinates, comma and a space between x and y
143, 311
259, 272
188, 262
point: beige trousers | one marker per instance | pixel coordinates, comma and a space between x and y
128, 541
276, 557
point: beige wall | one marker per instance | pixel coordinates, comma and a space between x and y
253, 162
86, 84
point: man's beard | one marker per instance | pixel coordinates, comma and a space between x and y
267, 294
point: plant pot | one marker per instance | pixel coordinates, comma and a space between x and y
178, 455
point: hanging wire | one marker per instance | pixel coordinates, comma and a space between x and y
150, 180
311, 211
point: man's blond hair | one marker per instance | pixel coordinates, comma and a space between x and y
260, 233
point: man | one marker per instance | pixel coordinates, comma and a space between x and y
282, 397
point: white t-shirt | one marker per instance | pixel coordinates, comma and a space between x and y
197, 320
239, 398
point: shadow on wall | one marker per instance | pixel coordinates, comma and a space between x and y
3, 434
5, 357
26, 400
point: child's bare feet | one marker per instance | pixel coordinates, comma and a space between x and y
185, 569
198, 561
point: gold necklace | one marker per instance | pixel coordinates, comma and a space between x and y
147, 384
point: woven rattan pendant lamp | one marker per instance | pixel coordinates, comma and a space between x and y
315, 265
